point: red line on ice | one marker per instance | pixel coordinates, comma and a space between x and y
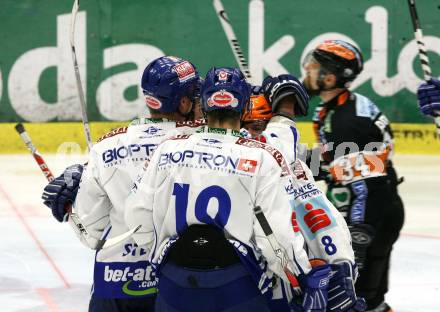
34, 237
48, 300
421, 235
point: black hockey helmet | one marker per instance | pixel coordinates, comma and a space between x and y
340, 58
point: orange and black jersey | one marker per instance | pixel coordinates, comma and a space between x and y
350, 117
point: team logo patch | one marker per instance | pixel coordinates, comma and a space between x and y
272, 150
222, 76
212, 141
222, 98
152, 102
247, 165
184, 71
152, 130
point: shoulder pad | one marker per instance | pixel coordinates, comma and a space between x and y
113, 133
365, 107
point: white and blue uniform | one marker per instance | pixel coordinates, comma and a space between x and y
283, 129
217, 179
121, 271
326, 232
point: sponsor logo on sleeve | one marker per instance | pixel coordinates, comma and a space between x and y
314, 217
299, 171
303, 192
360, 191
294, 223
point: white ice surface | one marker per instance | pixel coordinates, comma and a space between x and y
44, 268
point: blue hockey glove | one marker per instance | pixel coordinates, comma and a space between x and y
277, 88
314, 286
341, 292
428, 96
256, 90
60, 193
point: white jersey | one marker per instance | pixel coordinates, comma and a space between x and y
283, 129
114, 162
325, 230
217, 178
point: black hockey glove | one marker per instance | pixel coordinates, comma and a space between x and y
60, 193
277, 88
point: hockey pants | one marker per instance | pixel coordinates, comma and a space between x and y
384, 213
227, 289
121, 304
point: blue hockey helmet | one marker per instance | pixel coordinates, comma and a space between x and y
225, 88
166, 80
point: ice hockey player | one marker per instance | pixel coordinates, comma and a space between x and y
123, 278
288, 99
428, 95
357, 142
198, 197
255, 117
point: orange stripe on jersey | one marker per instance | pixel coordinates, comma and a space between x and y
342, 98
359, 166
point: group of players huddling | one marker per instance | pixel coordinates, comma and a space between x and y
231, 218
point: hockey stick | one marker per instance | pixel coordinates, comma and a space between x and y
73, 217
37, 156
233, 42
82, 100
423, 55
280, 253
